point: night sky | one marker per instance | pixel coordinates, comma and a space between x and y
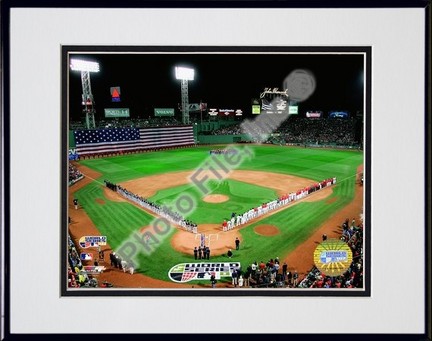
224, 81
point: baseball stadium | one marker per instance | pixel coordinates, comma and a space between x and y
198, 195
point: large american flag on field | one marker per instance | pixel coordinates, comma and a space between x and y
129, 139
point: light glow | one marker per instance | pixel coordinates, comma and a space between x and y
83, 65
184, 73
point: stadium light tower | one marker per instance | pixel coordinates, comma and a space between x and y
87, 97
184, 75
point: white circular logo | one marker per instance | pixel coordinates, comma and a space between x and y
300, 84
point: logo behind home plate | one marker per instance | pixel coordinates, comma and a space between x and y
333, 257
185, 272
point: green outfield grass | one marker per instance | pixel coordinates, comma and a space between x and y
242, 197
118, 220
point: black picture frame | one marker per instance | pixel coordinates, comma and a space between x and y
7, 226
69, 52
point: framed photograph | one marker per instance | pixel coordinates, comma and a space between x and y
159, 156
199, 194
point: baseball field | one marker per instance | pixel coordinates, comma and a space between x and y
290, 233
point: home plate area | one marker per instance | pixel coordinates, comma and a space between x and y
186, 272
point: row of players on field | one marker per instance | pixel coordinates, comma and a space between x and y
222, 151
160, 210
240, 219
236, 219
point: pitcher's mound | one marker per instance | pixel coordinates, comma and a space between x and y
266, 230
215, 198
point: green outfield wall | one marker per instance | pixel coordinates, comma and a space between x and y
71, 139
216, 139
213, 125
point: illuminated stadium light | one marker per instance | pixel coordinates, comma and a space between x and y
184, 73
86, 67
83, 65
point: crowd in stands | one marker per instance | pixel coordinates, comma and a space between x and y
74, 174
322, 131
299, 130
129, 123
272, 274
77, 276
160, 210
76, 125
230, 130
318, 131
353, 278
241, 219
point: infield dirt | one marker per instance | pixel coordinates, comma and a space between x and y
300, 259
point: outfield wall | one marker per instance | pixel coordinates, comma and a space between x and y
213, 125
223, 139
71, 139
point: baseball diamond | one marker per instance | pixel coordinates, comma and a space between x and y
244, 186
161, 175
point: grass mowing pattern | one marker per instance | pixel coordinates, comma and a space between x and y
243, 196
295, 224
117, 220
